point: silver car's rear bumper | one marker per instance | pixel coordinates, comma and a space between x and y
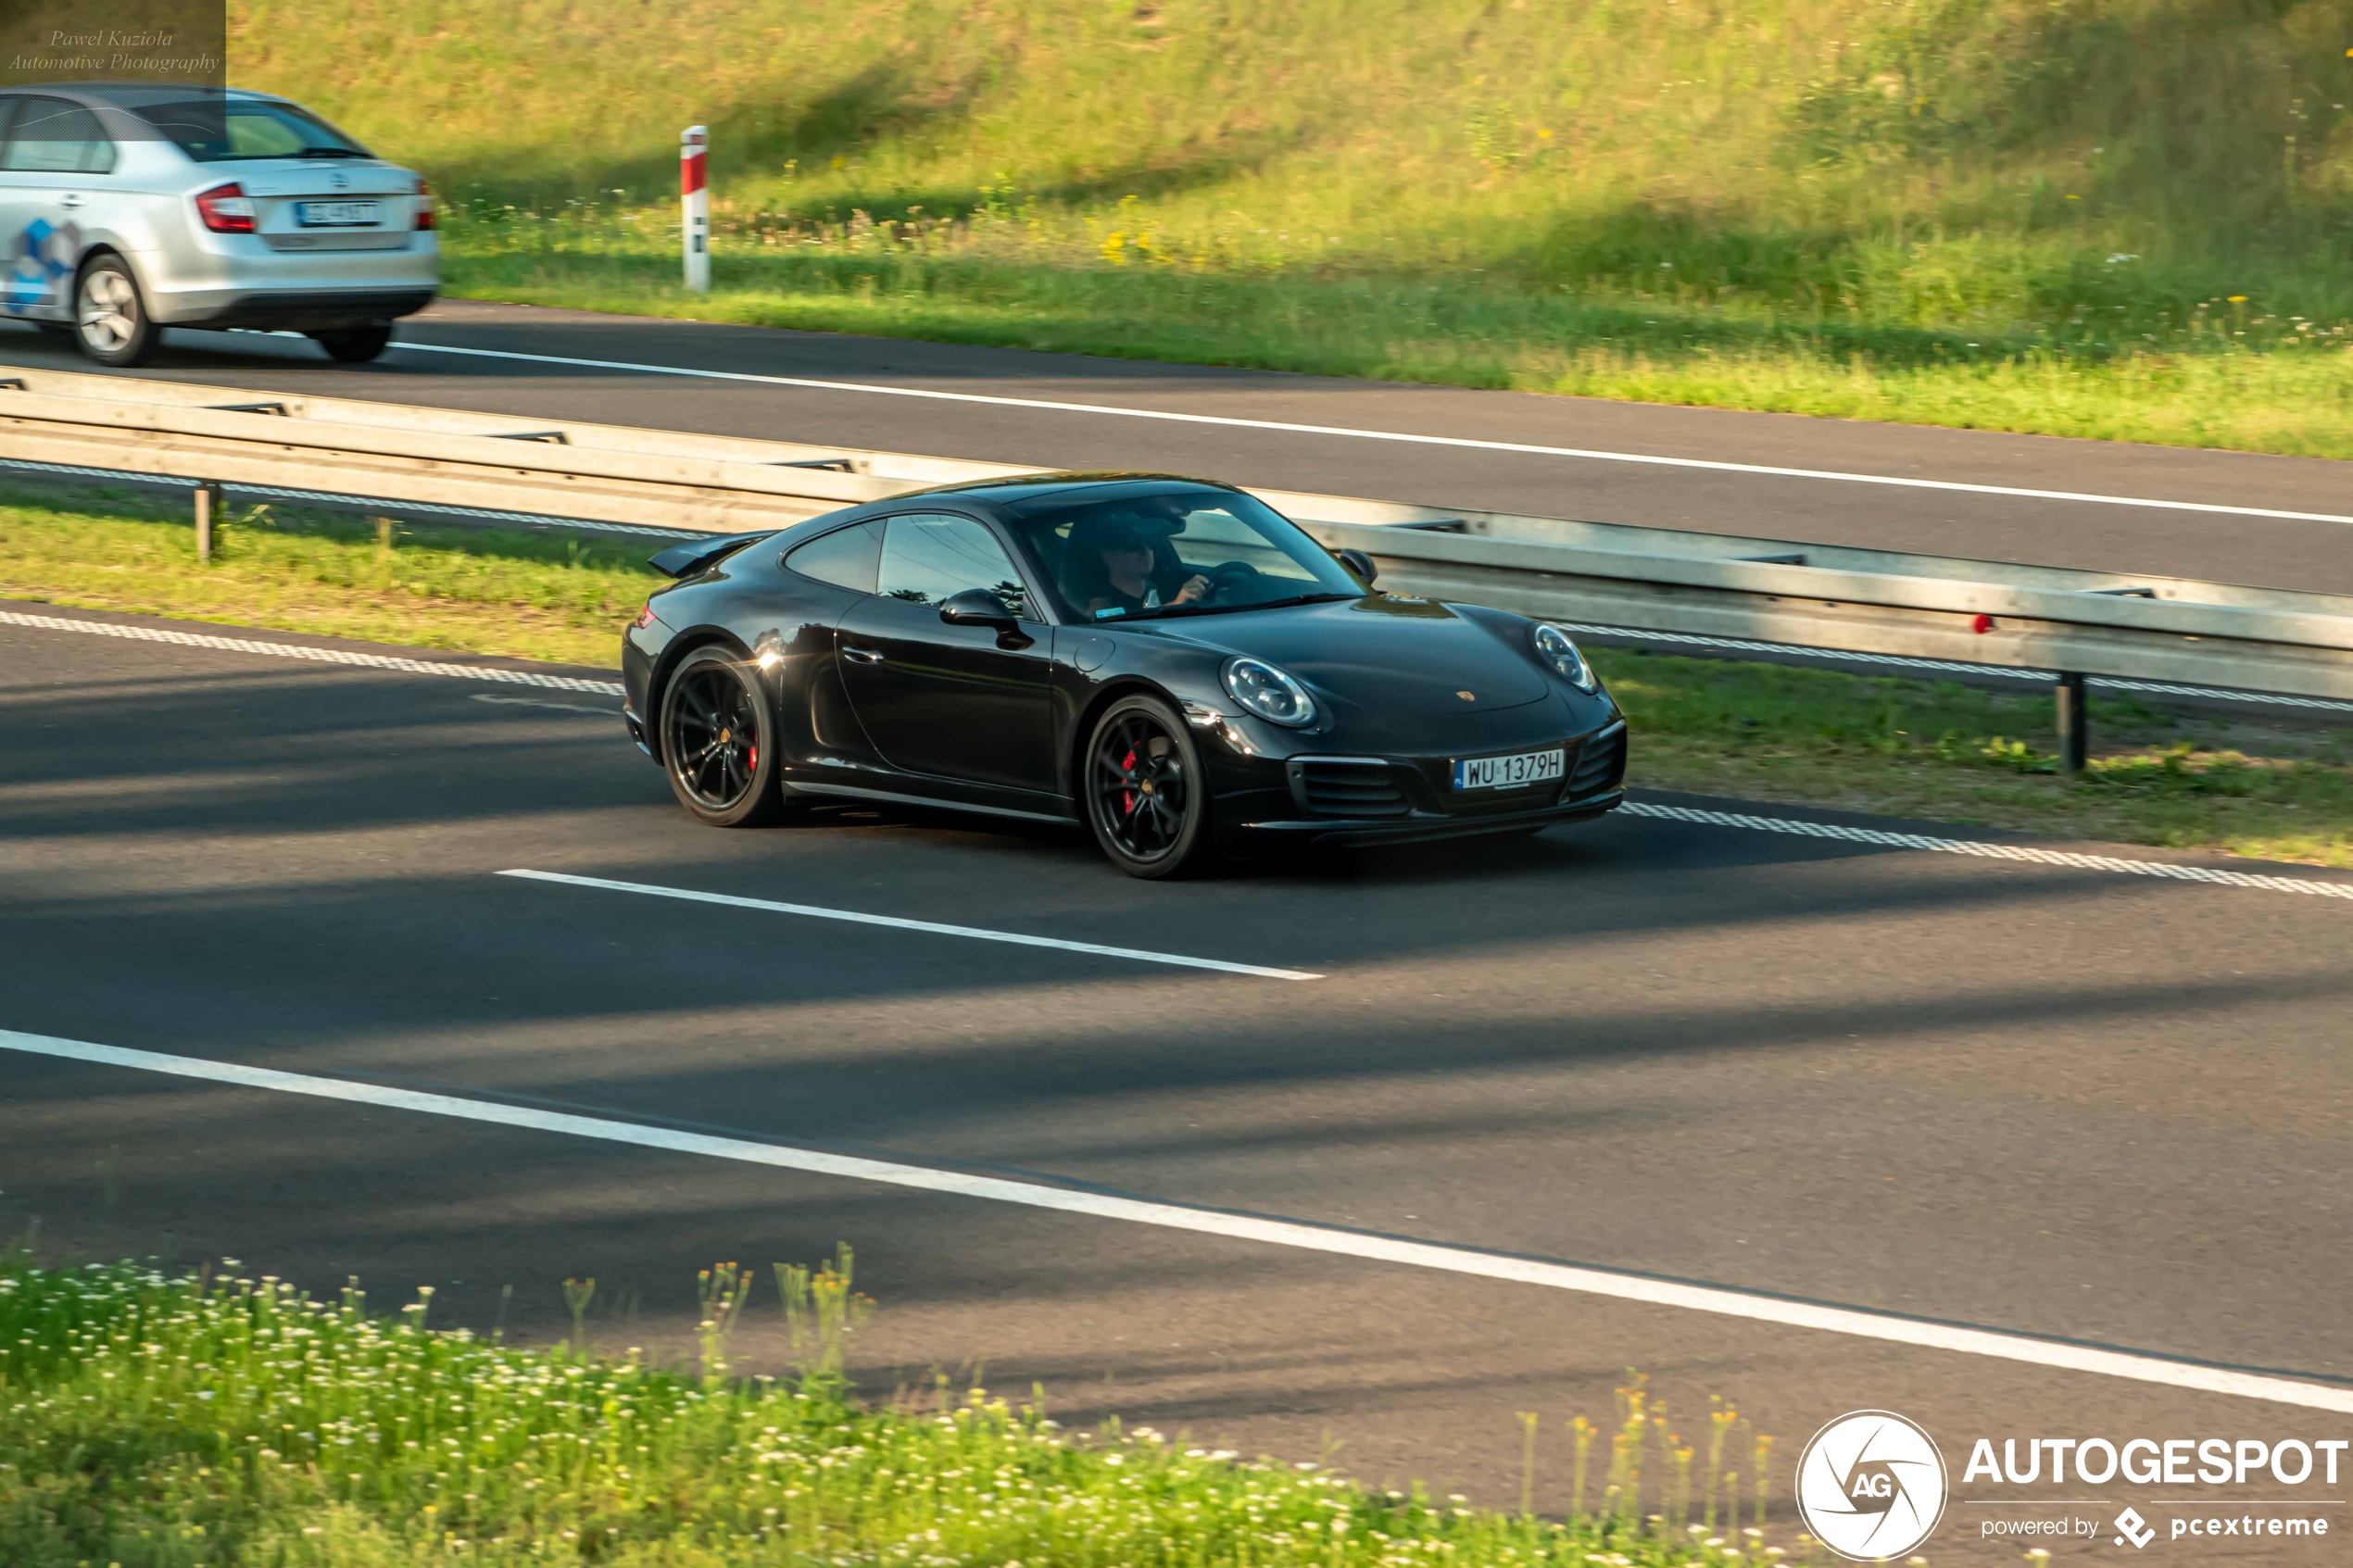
236, 281
296, 311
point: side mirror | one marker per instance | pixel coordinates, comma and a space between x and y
976, 607
1360, 564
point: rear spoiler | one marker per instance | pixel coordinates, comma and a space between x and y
685, 560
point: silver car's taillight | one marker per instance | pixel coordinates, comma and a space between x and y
226, 210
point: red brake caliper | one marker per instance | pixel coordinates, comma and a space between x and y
1127, 797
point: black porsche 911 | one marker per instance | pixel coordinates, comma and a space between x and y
1169, 661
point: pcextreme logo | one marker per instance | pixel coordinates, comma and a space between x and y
1871, 1485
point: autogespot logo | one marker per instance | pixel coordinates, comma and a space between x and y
1871, 1485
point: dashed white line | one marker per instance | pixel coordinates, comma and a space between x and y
2213, 876
1755, 1307
933, 927
311, 655
534, 702
1291, 428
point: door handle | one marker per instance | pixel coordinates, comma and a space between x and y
863, 656
70, 200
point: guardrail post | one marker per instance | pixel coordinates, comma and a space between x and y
2074, 724
209, 504
694, 200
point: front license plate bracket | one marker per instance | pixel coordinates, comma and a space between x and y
1515, 770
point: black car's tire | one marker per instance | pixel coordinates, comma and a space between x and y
1143, 791
110, 320
718, 741
355, 346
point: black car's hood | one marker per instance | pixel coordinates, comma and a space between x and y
1377, 654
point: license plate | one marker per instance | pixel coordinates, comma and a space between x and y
338, 215
1506, 772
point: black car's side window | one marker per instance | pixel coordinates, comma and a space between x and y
929, 557
845, 557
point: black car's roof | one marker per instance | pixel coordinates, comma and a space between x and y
1019, 493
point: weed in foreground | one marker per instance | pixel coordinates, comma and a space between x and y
154, 1421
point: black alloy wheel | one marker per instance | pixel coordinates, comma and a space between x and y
718, 741
1145, 795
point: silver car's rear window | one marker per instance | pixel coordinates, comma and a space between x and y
49, 136
216, 130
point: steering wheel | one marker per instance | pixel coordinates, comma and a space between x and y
1226, 576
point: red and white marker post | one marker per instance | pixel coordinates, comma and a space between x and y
694, 201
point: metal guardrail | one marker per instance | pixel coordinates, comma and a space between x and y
1869, 601
2133, 627
447, 457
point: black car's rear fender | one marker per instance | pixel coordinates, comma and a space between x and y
678, 649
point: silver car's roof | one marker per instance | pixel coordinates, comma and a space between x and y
137, 94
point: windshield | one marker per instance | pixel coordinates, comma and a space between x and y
1194, 552
225, 129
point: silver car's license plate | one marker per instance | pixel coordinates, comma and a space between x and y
338, 215
1503, 772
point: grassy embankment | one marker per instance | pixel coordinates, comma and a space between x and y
1934, 750
2127, 219
526, 594
193, 1422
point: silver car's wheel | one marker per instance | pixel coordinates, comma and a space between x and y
110, 320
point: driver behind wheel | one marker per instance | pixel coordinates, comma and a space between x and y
1121, 570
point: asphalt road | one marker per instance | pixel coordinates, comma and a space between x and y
2261, 551
2032, 1098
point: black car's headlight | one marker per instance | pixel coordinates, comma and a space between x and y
1555, 648
1268, 693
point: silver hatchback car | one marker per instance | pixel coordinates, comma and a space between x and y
126, 210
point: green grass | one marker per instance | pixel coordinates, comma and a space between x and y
154, 1421
2274, 399
1935, 749
529, 595
2128, 218
2158, 775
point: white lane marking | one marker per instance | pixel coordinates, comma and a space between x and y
933, 927
1288, 427
1991, 851
315, 656
534, 702
1721, 1301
